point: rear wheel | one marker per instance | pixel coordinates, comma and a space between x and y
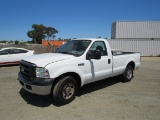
128, 74
65, 90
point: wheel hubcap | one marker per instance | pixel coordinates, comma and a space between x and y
68, 91
129, 73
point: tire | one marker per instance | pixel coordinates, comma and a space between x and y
128, 74
65, 90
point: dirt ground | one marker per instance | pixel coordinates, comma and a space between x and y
108, 99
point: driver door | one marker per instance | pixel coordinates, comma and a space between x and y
98, 69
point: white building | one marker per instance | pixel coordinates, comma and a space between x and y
136, 30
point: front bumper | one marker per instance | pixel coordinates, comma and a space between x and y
39, 86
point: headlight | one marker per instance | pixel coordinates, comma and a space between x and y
42, 72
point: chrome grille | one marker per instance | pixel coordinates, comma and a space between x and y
27, 70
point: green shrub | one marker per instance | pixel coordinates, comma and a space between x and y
16, 42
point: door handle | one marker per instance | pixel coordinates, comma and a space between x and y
109, 61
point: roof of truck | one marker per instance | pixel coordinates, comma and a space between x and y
92, 39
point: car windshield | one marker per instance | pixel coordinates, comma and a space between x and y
74, 47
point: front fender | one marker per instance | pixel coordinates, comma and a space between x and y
62, 70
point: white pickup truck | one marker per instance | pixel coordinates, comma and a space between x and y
76, 63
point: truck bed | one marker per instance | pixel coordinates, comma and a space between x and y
119, 52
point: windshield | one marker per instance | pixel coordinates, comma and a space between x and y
74, 47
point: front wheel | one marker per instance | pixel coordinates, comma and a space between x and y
65, 90
128, 74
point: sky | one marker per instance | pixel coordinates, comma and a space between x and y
72, 18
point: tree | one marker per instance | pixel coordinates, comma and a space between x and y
59, 39
16, 42
28, 41
3, 41
40, 32
53, 36
50, 31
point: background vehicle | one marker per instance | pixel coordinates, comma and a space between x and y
13, 55
76, 63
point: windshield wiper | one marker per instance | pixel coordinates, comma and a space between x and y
64, 52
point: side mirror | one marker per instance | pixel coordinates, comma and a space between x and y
95, 54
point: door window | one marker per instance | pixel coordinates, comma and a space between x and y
4, 52
24, 51
15, 51
100, 46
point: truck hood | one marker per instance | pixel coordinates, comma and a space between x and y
41, 60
